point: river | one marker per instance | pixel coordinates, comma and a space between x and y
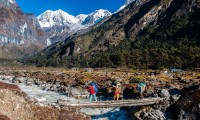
49, 97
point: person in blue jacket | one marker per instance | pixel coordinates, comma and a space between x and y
141, 88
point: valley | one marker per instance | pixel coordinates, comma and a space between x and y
141, 61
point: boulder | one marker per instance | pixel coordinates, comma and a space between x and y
39, 83
19, 80
174, 98
187, 107
3, 117
78, 92
165, 93
150, 114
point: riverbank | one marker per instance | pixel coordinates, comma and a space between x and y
16, 105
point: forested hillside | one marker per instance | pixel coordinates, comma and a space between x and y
174, 45
146, 34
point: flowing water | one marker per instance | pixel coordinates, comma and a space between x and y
48, 97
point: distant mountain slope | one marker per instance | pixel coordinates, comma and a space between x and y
17, 28
117, 42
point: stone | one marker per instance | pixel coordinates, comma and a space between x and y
165, 93
22, 79
156, 106
78, 92
16, 107
153, 115
41, 99
199, 105
2, 117
174, 98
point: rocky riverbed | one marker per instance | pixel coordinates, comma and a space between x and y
39, 96
45, 87
17, 105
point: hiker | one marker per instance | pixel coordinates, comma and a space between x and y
116, 93
92, 93
141, 88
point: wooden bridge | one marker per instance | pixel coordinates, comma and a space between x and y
107, 104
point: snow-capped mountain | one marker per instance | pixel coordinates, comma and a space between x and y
125, 4
81, 17
58, 22
96, 16
60, 18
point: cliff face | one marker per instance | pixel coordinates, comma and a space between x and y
18, 28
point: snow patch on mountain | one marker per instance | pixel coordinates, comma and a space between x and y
76, 27
23, 28
8, 40
48, 42
11, 1
96, 16
125, 4
81, 17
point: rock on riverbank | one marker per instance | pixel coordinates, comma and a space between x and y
15, 105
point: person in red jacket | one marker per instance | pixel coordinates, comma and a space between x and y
92, 93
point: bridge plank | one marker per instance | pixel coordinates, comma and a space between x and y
119, 103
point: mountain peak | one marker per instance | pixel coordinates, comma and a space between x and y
59, 22
96, 16
59, 17
101, 11
59, 10
48, 11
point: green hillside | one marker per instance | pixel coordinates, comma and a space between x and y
170, 40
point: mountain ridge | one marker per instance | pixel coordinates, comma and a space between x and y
122, 28
58, 23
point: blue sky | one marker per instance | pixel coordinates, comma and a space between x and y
73, 7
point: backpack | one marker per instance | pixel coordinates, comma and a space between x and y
95, 86
141, 86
